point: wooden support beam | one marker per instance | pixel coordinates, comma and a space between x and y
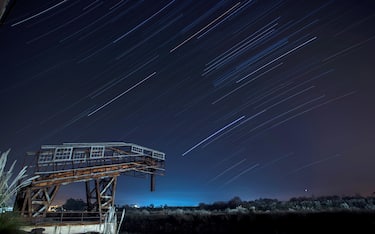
114, 190
99, 204
109, 183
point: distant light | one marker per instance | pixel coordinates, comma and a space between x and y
134, 206
306, 190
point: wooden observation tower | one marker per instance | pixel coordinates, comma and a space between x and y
96, 164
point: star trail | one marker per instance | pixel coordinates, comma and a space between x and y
246, 98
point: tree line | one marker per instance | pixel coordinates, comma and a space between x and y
263, 204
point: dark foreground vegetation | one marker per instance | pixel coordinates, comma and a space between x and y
299, 215
273, 222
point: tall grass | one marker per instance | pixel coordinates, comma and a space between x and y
9, 186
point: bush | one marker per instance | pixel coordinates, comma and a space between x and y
74, 204
10, 222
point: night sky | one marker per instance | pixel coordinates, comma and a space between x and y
256, 99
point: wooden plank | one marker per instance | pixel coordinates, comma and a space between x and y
114, 190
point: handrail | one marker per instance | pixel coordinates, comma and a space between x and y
68, 217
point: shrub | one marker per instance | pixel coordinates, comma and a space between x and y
10, 222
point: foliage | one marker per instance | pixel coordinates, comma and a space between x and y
8, 187
259, 216
324, 203
74, 204
234, 202
10, 222
229, 221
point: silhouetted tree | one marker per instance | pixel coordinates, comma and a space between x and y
202, 205
219, 205
234, 202
74, 204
